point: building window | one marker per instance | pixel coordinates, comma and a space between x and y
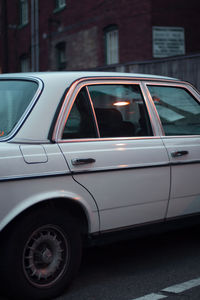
111, 45
24, 64
23, 12
61, 56
60, 4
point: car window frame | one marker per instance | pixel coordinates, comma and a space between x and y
93, 115
183, 85
71, 96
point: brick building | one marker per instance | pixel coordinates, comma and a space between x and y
83, 34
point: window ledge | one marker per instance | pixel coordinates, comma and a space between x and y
58, 9
20, 26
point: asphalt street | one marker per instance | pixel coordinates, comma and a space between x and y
138, 268
143, 269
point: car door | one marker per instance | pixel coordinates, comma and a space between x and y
178, 108
110, 147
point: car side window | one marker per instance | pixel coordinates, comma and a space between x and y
80, 123
120, 110
179, 111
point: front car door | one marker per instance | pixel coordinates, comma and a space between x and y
178, 107
112, 149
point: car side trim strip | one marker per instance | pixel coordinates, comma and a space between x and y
115, 169
167, 164
159, 165
185, 162
37, 176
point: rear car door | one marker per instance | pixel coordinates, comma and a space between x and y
178, 109
112, 150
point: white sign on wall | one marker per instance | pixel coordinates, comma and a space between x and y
168, 41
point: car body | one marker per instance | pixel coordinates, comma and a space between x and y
83, 154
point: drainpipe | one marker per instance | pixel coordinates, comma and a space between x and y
32, 36
35, 35
4, 33
37, 49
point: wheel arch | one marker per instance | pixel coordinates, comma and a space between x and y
73, 204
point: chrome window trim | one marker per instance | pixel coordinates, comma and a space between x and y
93, 111
107, 139
62, 111
72, 94
157, 117
180, 136
183, 85
29, 107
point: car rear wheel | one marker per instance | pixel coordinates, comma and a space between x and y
41, 255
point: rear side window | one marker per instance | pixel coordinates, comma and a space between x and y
15, 97
120, 110
179, 111
80, 123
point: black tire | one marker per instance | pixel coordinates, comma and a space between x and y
41, 255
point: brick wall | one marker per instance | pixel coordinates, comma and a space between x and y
81, 25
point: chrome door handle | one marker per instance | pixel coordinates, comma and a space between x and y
82, 161
179, 153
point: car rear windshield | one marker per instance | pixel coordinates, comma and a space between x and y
15, 98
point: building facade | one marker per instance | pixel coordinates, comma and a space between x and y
42, 35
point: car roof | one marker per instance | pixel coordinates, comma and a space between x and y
53, 86
71, 76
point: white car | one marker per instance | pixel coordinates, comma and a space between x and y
84, 155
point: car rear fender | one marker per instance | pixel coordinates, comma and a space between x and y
90, 213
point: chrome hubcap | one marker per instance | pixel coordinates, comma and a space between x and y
45, 256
